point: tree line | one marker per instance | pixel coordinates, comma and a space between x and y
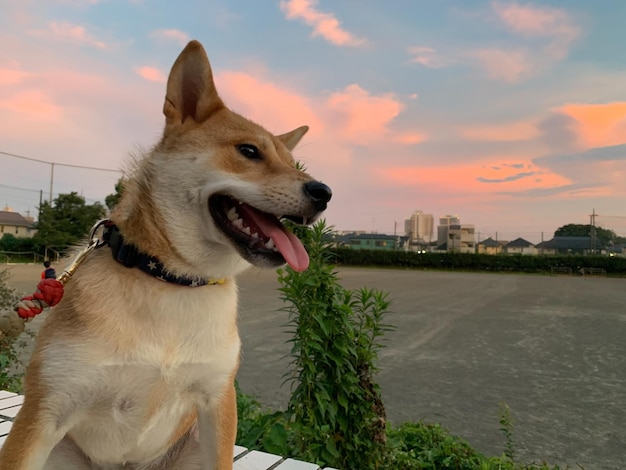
61, 224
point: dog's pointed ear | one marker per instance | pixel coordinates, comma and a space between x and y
191, 91
291, 139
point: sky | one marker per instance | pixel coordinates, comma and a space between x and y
508, 114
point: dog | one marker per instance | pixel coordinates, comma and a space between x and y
135, 368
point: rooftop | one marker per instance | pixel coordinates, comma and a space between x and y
14, 218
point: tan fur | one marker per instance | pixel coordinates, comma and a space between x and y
134, 373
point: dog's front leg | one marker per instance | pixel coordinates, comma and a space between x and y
217, 427
32, 438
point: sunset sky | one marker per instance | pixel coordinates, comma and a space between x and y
509, 114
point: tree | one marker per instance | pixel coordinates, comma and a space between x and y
112, 199
8, 242
603, 236
67, 222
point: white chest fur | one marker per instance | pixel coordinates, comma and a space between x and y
140, 363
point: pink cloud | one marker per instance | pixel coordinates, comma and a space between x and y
361, 117
547, 35
35, 103
473, 179
428, 57
324, 24
540, 21
12, 76
598, 125
67, 109
151, 74
410, 138
175, 35
69, 32
507, 65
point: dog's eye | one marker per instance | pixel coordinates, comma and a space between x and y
249, 151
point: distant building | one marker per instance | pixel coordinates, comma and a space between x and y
566, 246
519, 246
452, 236
443, 227
419, 228
489, 246
461, 239
16, 224
372, 241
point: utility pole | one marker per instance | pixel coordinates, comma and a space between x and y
51, 181
593, 231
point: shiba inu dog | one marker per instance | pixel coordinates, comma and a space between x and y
135, 368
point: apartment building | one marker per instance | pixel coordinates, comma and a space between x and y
461, 239
444, 226
419, 228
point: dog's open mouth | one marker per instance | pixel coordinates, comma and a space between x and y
260, 237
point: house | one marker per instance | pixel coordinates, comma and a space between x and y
566, 246
519, 246
489, 246
372, 241
15, 224
546, 248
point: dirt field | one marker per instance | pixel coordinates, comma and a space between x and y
552, 348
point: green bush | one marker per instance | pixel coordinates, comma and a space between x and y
336, 413
259, 428
428, 446
410, 446
615, 265
9, 359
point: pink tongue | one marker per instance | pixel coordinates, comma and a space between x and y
286, 242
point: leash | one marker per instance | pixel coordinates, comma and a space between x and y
50, 291
104, 232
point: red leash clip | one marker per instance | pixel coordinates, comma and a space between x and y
50, 291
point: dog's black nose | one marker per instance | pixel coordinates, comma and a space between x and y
319, 193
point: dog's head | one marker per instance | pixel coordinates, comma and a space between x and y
221, 180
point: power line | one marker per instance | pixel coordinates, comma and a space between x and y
53, 164
59, 164
20, 189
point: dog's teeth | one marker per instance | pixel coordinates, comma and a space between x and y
255, 235
246, 230
238, 223
269, 244
232, 214
305, 220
